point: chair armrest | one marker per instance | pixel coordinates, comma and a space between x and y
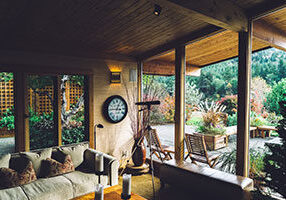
111, 164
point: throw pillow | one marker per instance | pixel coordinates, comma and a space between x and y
54, 168
37, 158
76, 153
12, 178
4, 160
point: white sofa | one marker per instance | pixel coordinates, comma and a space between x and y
65, 186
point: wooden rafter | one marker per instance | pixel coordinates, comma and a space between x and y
266, 8
270, 34
221, 13
168, 68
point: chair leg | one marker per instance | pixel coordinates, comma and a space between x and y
215, 161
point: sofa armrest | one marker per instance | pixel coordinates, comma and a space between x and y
111, 164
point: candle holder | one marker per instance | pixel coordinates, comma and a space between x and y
125, 197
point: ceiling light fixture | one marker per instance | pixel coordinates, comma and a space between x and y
157, 10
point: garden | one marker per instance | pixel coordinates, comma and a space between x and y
211, 108
41, 115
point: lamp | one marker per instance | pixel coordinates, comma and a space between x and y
115, 77
96, 126
157, 10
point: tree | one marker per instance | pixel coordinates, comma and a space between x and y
276, 96
275, 160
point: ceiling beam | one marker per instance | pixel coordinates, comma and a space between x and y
222, 13
270, 34
168, 69
187, 39
266, 8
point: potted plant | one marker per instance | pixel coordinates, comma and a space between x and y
213, 124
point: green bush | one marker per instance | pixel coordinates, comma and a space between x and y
7, 119
276, 96
73, 135
232, 120
42, 133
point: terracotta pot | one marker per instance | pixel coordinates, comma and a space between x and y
139, 156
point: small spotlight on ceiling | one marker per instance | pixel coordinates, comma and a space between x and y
157, 10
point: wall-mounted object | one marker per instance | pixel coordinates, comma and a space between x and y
132, 75
115, 109
115, 77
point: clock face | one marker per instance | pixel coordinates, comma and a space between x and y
115, 109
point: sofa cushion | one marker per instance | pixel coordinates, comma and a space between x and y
13, 193
37, 158
11, 178
54, 168
4, 160
84, 182
54, 188
76, 153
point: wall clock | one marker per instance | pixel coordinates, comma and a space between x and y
115, 109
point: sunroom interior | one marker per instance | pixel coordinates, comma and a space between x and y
95, 38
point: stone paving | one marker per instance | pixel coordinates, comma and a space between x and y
7, 145
166, 135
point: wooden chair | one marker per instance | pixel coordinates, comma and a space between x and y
162, 152
197, 150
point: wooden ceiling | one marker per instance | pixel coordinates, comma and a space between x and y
213, 49
121, 29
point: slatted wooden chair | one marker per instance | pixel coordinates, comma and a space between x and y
197, 150
162, 152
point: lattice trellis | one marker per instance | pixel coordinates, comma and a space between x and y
39, 103
6, 96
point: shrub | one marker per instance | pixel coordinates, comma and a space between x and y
256, 168
230, 103
213, 118
232, 120
276, 96
7, 119
275, 160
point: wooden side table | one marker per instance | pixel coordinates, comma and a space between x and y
110, 193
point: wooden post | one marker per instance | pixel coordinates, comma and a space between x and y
57, 104
139, 92
180, 75
89, 109
243, 117
22, 138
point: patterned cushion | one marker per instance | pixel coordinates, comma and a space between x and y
54, 168
37, 159
76, 153
11, 178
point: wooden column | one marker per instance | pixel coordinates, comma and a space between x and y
22, 138
139, 92
89, 109
57, 107
243, 117
180, 75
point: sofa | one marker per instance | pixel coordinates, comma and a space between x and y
203, 182
80, 181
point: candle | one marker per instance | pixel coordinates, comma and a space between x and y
99, 162
126, 190
98, 192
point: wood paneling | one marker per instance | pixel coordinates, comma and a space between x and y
222, 13
212, 49
277, 20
